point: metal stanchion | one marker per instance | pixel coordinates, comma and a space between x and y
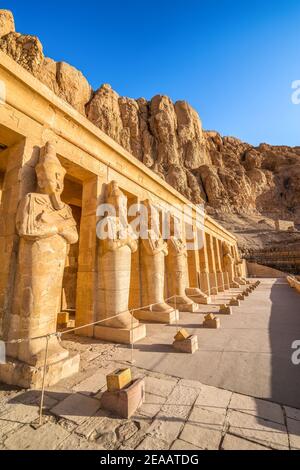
132, 342
44, 377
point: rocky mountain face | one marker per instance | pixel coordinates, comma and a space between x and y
234, 179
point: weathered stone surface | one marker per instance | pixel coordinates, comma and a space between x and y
153, 443
46, 437
182, 445
204, 428
213, 397
293, 413
256, 407
256, 429
92, 384
76, 408
161, 387
293, 427
152, 405
7, 22
231, 442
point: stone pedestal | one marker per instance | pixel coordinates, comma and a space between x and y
154, 316
225, 310
124, 403
211, 321
234, 303
120, 335
198, 296
191, 307
23, 375
189, 345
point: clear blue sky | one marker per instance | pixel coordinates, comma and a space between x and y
233, 60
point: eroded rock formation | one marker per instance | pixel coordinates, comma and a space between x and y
230, 176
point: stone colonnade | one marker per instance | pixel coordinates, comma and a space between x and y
56, 169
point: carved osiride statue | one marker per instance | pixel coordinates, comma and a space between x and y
153, 253
46, 228
229, 264
116, 245
177, 268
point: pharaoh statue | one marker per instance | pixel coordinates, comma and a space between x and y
46, 228
177, 268
153, 253
229, 264
238, 270
117, 243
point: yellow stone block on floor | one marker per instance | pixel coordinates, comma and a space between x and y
181, 335
209, 316
213, 323
118, 380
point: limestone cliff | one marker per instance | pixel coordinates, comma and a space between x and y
233, 178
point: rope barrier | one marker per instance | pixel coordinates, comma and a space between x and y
59, 335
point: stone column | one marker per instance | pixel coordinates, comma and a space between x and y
87, 259
212, 265
220, 277
18, 180
194, 271
204, 268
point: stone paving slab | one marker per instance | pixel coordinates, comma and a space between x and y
178, 413
46, 437
231, 442
258, 430
76, 408
257, 407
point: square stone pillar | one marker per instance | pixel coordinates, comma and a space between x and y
87, 259
204, 268
193, 262
211, 265
220, 277
19, 179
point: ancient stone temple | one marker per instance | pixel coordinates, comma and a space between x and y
56, 170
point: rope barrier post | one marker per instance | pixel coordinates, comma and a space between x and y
43, 384
132, 343
176, 316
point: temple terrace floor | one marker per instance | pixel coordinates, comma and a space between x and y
239, 391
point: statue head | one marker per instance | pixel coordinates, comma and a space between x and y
50, 173
153, 216
117, 199
226, 248
175, 226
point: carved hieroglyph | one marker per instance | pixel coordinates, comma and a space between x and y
177, 268
153, 253
46, 228
229, 264
117, 243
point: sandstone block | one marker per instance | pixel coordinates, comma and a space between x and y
125, 402
120, 335
225, 310
189, 345
118, 380
63, 319
234, 302
211, 321
181, 335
